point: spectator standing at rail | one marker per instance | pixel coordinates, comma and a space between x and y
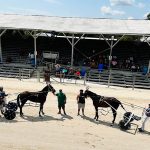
61, 101
47, 75
81, 102
146, 112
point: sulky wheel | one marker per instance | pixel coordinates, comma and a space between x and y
9, 114
123, 127
13, 106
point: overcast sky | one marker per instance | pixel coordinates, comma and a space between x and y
121, 9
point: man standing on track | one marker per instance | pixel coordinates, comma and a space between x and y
61, 101
81, 102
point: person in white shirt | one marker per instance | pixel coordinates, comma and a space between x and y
147, 116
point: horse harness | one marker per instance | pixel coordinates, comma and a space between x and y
101, 99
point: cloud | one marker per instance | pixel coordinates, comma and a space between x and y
53, 1
109, 11
130, 18
141, 5
121, 2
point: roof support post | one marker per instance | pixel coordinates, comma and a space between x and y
35, 36
148, 42
73, 43
72, 52
110, 59
111, 45
35, 51
1, 57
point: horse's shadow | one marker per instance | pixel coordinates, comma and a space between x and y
100, 122
145, 133
43, 118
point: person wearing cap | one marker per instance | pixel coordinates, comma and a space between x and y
3, 95
81, 102
61, 101
2, 98
147, 116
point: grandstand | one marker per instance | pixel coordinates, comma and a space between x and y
75, 43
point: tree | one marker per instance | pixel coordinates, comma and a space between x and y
148, 16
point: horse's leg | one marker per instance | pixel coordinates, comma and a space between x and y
22, 104
41, 109
114, 108
96, 113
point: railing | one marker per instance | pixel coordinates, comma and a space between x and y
19, 73
119, 78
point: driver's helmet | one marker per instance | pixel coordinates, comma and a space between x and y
1, 88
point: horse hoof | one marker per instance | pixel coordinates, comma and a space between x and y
21, 115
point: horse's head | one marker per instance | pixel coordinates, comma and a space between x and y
88, 93
50, 88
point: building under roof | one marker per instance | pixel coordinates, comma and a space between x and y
71, 27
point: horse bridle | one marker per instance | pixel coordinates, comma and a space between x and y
50, 88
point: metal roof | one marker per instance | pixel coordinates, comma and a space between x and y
75, 25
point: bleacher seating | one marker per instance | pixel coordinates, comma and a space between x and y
15, 71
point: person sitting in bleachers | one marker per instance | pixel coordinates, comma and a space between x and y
133, 67
114, 63
78, 74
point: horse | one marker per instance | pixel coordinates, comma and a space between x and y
101, 101
38, 97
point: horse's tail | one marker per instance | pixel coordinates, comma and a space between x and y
18, 100
122, 106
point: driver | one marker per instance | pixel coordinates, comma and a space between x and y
2, 98
147, 116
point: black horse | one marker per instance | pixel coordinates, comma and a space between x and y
101, 101
38, 97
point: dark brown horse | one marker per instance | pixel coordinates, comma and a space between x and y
38, 97
101, 101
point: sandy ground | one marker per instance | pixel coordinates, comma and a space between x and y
71, 132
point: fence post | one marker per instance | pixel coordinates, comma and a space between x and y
109, 77
38, 75
133, 84
19, 74
85, 77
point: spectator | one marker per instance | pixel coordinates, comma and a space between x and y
114, 63
47, 75
133, 67
57, 69
78, 74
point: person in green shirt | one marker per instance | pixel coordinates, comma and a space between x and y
61, 101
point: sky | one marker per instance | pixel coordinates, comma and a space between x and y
117, 9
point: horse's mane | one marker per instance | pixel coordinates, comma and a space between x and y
45, 88
93, 94
25, 92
